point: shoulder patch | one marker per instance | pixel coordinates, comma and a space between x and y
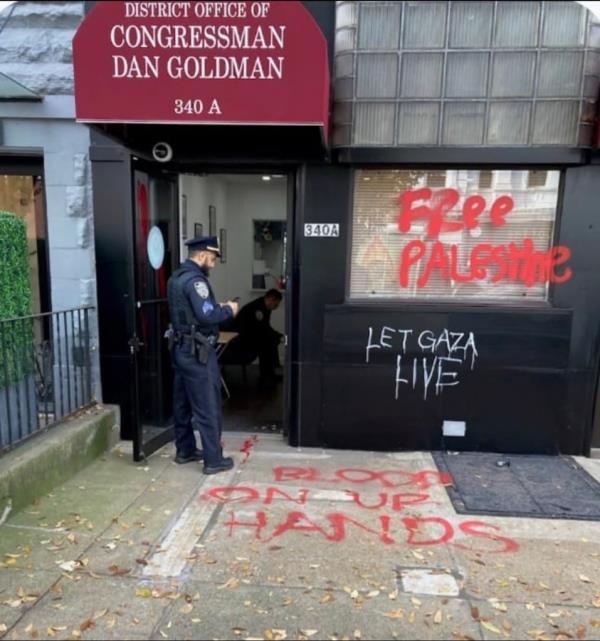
201, 289
259, 315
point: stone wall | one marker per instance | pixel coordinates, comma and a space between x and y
36, 50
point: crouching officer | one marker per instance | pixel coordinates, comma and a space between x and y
195, 319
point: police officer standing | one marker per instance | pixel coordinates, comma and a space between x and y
195, 320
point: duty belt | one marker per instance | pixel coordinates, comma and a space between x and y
197, 337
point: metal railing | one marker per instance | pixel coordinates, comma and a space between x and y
45, 371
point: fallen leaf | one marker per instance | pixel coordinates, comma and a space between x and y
145, 593
437, 617
13, 603
68, 566
328, 598
308, 633
412, 617
186, 609
75, 634
581, 632
491, 627
99, 614
231, 584
459, 636
585, 579
394, 614
502, 607
117, 571
475, 613
287, 601
416, 602
393, 595
88, 624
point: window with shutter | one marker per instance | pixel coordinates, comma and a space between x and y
451, 234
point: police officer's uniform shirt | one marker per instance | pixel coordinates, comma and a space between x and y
253, 321
196, 288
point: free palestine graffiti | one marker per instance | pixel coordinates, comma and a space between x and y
517, 262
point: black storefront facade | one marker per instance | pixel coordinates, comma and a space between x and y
368, 368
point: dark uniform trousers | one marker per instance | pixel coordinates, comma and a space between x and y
195, 319
197, 400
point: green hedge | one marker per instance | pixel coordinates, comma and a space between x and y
16, 341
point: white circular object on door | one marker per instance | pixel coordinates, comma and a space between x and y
156, 248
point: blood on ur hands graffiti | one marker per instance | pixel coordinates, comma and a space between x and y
401, 491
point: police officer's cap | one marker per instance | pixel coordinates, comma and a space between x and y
204, 243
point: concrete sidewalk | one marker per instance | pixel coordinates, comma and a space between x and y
296, 544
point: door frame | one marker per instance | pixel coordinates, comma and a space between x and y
291, 171
143, 449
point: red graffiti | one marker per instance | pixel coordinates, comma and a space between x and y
388, 528
441, 202
243, 494
516, 262
417, 531
390, 478
470, 528
246, 448
513, 262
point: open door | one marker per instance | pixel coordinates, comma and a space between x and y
156, 257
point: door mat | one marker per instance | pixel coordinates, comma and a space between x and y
549, 487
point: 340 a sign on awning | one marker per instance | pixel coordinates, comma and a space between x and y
201, 62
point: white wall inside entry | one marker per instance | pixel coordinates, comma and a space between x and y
238, 200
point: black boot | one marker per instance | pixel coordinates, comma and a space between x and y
196, 455
222, 466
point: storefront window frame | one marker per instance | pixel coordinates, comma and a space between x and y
462, 302
34, 166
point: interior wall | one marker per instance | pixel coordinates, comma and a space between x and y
238, 201
199, 193
246, 203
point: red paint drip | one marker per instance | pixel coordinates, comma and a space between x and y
247, 447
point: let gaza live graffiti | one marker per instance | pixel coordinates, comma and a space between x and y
436, 358
389, 516
514, 262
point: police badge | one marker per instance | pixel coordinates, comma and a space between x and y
201, 289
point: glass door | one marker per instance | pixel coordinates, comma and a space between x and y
156, 257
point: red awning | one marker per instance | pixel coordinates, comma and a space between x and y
239, 63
